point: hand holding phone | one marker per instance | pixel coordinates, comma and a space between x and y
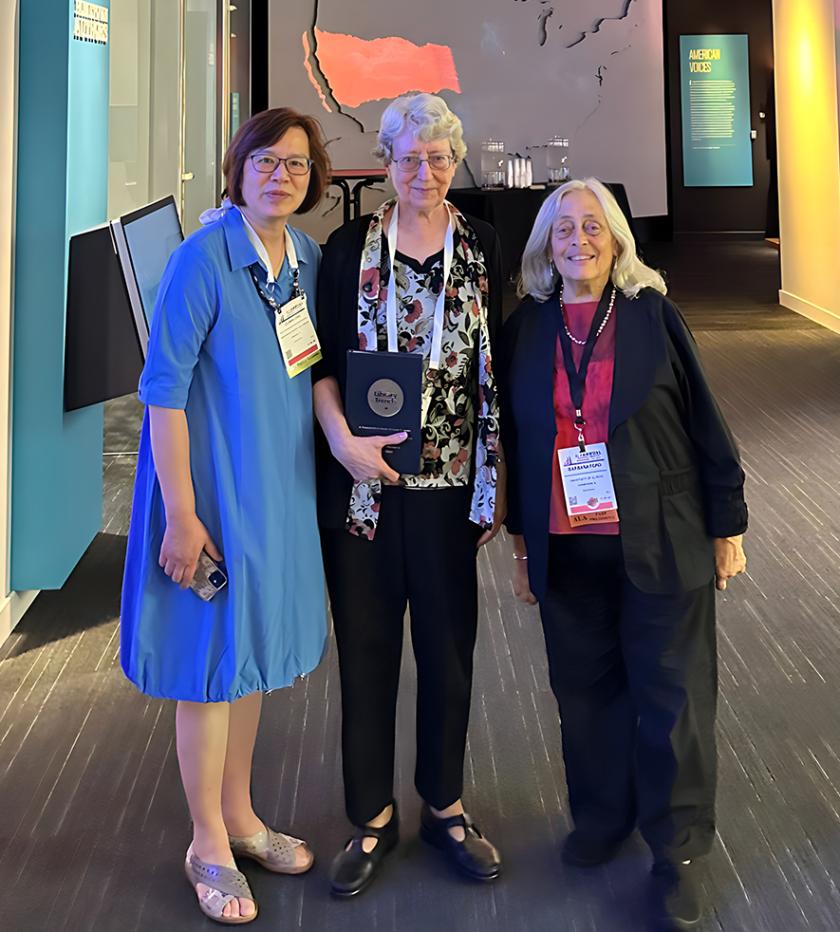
208, 578
185, 541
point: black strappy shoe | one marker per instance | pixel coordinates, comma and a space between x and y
354, 869
475, 856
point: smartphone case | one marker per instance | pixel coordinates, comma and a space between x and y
209, 577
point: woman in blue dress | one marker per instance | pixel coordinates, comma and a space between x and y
226, 467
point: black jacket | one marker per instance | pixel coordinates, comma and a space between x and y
675, 466
337, 313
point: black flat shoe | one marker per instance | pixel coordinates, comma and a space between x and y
675, 896
474, 856
582, 850
354, 869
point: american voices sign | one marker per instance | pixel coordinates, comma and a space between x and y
715, 83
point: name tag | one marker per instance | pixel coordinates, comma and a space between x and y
296, 335
587, 485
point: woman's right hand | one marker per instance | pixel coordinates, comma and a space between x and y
521, 585
184, 539
362, 456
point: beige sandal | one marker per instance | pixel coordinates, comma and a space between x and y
225, 883
273, 850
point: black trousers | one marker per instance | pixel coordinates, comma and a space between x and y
423, 555
635, 677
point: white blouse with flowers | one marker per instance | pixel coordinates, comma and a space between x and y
450, 424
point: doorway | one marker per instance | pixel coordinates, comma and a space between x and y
179, 87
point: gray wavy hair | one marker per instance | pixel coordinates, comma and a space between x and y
538, 277
428, 117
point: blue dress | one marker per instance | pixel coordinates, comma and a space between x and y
213, 353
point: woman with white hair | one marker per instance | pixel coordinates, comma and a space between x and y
416, 276
626, 507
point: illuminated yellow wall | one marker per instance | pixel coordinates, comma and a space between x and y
809, 156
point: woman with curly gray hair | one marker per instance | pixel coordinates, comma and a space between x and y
416, 276
626, 506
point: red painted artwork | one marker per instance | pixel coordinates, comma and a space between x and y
361, 70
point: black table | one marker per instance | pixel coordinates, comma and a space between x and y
512, 212
351, 201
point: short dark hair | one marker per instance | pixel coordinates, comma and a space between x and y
263, 130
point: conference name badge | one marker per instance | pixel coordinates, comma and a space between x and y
587, 485
296, 335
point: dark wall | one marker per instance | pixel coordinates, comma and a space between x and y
259, 56
696, 210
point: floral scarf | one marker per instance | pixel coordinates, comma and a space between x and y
374, 272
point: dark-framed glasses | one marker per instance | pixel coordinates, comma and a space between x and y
438, 162
266, 163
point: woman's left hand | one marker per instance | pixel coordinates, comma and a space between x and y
730, 559
500, 511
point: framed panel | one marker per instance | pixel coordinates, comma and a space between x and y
715, 86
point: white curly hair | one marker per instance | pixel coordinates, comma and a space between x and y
428, 117
538, 277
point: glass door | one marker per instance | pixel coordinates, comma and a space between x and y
202, 71
144, 137
171, 69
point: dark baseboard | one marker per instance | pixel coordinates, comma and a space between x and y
661, 230
716, 236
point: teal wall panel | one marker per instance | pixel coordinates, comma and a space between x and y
715, 86
56, 506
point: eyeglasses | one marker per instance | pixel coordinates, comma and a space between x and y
438, 162
266, 164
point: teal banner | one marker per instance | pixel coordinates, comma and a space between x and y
715, 83
62, 188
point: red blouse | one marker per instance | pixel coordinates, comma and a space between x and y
596, 408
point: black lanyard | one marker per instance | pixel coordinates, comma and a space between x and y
577, 376
265, 296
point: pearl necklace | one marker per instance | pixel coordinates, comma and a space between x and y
569, 334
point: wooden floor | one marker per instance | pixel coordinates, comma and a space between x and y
92, 821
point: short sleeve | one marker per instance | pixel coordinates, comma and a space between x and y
185, 310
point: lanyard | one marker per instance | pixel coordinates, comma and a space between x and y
391, 306
577, 376
262, 253
296, 336
291, 255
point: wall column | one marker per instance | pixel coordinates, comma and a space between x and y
62, 176
12, 604
8, 121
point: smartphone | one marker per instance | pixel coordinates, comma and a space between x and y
209, 577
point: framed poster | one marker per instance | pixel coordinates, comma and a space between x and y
715, 85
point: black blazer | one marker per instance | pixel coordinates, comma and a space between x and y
337, 314
675, 466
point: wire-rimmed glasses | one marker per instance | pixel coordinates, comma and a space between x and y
437, 161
